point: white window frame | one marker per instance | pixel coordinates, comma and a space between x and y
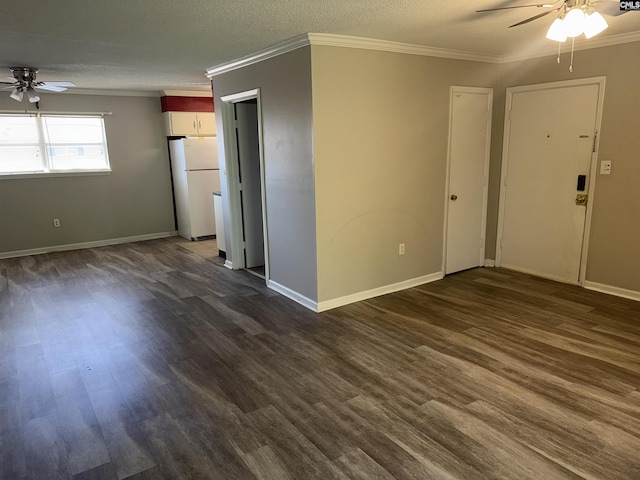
49, 171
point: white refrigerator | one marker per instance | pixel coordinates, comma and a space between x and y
196, 175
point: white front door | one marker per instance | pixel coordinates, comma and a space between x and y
549, 143
469, 140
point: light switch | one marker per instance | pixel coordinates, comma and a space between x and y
605, 167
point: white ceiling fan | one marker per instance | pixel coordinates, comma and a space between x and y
24, 80
607, 7
574, 18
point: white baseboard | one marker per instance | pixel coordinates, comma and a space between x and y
228, 264
535, 273
489, 262
79, 246
376, 292
293, 295
617, 291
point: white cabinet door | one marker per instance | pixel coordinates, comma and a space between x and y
206, 123
181, 123
189, 123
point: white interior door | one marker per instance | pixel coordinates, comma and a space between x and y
549, 142
250, 179
469, 141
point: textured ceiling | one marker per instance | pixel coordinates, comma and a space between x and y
166, 44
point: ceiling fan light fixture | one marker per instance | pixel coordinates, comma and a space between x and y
594, 23
574, 22
17, 94
33, 96
556, 31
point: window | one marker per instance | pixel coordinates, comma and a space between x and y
52, 144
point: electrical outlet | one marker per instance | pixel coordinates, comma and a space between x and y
605, 167
56, 222
401, 249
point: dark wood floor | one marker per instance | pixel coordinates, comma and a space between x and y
148, 361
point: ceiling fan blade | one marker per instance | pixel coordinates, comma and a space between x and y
7, 88
50, 88
59, 84
539, 5
535, 17
7, 83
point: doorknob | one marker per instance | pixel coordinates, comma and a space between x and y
454, 197
581, 199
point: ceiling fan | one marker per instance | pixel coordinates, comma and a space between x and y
574, 18
24, 80
608, 7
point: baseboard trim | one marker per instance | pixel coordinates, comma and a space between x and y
83, 245
293, 295
611, 290
356, 297
376, 292
228, 264
489, 262
535, 273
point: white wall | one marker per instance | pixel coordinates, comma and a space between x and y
134, 200
380, 137
614, 256
285, 88
362, 167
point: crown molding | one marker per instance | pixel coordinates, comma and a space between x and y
396, 47
345, 41
110, 93
137, 93
583, 44
261, 55
187, 93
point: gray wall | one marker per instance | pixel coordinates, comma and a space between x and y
614, 256
381, 125
285, 88
135, 199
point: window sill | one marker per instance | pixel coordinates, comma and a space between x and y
70, 173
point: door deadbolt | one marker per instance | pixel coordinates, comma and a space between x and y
581, 199
454, 197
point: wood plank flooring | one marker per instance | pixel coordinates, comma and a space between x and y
148, 361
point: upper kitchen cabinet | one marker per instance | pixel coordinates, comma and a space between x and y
189, 123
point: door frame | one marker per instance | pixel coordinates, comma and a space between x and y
487, 157
230, 140
601, 82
